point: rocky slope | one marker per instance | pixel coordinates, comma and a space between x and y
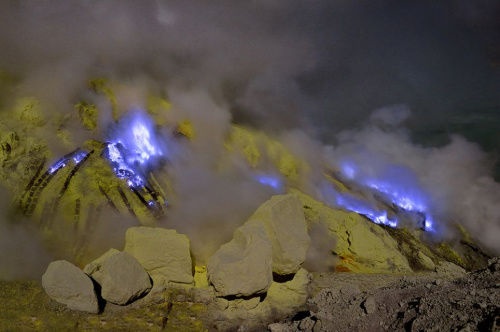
373, 277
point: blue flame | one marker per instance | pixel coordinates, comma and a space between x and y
77, 157
272, 181
61, 163
363, 207
135, 147
395, 185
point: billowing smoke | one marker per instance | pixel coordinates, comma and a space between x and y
308, 73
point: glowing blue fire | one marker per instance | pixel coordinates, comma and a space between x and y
58, 165
135, 147
77, 157
272, 181
362, 207
395, 185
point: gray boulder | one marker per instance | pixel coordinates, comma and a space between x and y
243, 266
121, 277
67, 284
163, 253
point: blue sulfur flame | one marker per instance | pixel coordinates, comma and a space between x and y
390, 195
363, 207
61, 163
272, 181
395, 185
135, 147
77, 156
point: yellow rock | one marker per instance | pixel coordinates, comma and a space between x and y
262, 152
102, 86
185, 128
361, 246
88, 115
29, 112
200, 276
289, 295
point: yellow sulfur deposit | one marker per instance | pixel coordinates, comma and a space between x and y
261, 151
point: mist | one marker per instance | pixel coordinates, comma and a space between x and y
412, 83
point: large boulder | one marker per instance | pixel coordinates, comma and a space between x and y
163, 253
243, 266
67, 284
286, 227
274, 239
121, 277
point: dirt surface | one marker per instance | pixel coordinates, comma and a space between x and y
428, 302
450, 300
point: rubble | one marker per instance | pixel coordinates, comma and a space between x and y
121, 278
67, 284
163, 253
410, 303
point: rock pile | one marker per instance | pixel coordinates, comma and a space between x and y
151, 256
270, 246
259, 274
441, 301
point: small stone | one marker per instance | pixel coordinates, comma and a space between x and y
307, 324
425, 261
494, 264
369, 305
67, 284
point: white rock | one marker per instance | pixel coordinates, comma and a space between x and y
163, 253
121, 277
286, 227
67, 284
243, 266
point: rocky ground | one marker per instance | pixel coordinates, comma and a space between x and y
429, 302
446, 300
